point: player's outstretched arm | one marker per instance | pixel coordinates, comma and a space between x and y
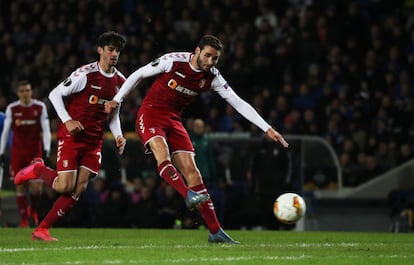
249, 113
277, 137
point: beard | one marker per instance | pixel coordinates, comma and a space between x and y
201, 66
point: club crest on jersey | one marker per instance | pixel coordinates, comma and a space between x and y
202, 83
155, 62
67, 82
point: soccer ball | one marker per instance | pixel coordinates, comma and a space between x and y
289, 208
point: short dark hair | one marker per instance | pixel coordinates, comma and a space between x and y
23, 83
112, 38
210, 40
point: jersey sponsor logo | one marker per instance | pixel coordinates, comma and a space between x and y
179, 74
93, 99
19, 122
96, 87
174, 85
67, 82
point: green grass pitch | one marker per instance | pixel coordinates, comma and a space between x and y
151, 246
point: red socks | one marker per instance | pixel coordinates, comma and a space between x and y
61, 206
170, 174
207, 211
22, 207
35, 200
46, 173
24, 210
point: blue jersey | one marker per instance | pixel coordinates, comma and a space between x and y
2, 118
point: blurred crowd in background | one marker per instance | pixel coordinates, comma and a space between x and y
341, 70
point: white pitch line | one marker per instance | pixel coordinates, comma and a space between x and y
149, 246
179, 261
238, 258
230, 260
200, 246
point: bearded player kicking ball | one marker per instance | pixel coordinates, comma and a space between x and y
179, 78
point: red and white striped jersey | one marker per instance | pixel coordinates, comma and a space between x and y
27, 123
177, 83
86, 90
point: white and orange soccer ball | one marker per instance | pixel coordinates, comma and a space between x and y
289, 208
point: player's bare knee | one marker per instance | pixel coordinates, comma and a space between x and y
194, 177
194, 173
63, 187
36, 187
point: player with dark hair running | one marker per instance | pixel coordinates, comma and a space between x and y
179, 78
28, 121
81, 130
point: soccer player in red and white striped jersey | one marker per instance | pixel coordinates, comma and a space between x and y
28, 120
81, 129
179, 78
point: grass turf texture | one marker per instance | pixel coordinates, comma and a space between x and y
7, 193
148, 246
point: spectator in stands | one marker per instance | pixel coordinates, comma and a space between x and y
112, 211
351, 171
95, 194
269, 177
405, 153
372, 169
206, 160
172, 210
135, 193
143, 213
385, 156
